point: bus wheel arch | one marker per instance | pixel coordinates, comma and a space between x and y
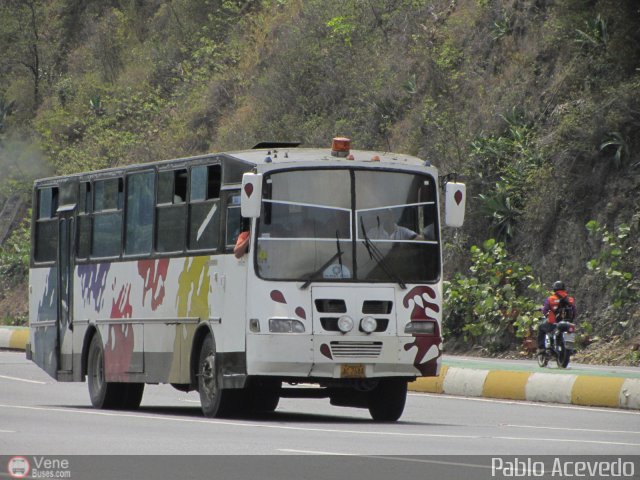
215, 400
88, 336
198, 339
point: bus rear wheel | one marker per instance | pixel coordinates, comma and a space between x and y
387, 400
214, 400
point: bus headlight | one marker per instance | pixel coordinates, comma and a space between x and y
368, 324
428, 328
285, 325
345, 323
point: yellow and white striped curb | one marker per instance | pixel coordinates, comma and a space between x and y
15, 338
595, 391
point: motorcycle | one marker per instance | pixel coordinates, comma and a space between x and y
559, 344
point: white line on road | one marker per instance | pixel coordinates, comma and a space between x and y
23, 380
314, 452
306, 429
385, 457
572, 429
7, 431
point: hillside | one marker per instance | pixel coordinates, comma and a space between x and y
533, 102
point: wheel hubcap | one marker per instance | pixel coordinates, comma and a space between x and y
208, 376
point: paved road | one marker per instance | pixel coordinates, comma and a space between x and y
40, 416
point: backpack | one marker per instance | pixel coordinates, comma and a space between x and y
563, 311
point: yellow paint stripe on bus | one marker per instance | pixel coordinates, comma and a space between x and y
502, 384
596, 391
19, 339
430, 384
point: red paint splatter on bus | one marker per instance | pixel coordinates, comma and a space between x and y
419, 297
277, 296
119, 347
154, 274
301, 313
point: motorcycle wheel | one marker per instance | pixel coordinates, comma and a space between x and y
542, 360
562, 359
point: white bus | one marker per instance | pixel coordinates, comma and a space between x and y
133, 279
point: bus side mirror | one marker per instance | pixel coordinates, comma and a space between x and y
455, 199
251, 195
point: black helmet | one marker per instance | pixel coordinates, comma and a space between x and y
558, 285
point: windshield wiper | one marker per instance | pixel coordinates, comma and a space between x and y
337, 255
375, 254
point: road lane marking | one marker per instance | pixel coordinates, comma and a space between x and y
386, 457
572, 429
7, 431
306, 429
315, 452
6, 377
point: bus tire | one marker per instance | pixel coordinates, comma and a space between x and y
387, 400
214, 400
264, 395
131, 396
103, 394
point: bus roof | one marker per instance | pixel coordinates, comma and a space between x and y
262, 156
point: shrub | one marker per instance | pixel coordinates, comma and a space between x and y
611, 263
494, 305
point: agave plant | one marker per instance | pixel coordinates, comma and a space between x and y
500, 210
619, 142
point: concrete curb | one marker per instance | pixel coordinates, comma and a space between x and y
594, 391
15, 338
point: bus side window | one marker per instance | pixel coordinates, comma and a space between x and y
139, 213
204, 207
234, 220
171, 211
106, 235
46, 225
84, 221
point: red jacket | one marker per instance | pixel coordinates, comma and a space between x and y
552, 302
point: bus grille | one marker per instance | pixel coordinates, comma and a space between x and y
356, 349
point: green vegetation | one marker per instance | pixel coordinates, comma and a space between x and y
613, 263
497, 302
535, 103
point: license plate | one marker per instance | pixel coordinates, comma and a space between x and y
352, 371
569, 337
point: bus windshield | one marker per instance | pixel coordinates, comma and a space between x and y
349, 225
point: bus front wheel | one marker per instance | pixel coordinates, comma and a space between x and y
387, 400
214, 400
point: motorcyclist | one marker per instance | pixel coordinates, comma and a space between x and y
550, 309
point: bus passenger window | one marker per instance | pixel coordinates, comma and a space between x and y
47, 202
172, 187
46, 235
234, 220
139, 220
106, 236
171, 211
83, 245
204, 208
205, 182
